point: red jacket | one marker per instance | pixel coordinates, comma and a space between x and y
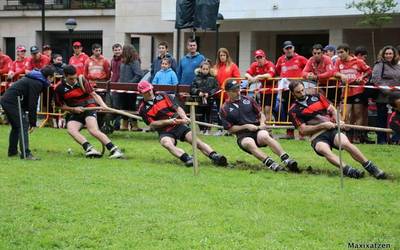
31, 64
18, 68
222, 73
323, 70
79, 62
97, 69
5, 63
292, 67
353, 68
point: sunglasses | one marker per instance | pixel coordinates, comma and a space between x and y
259, 57
289, 47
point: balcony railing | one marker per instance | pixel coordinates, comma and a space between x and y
59, 4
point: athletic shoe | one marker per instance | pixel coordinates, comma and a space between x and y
291, 165
116, 153
375, 171
30, 157
92, 153
276, 167
352, 172
189, 162
219, 160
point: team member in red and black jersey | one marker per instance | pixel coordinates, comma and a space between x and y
242, 116
164, 115
74, 97
313, 115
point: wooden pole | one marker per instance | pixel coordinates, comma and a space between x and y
194, 135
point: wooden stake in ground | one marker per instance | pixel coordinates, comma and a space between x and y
194, 134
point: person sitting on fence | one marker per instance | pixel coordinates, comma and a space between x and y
313, 115
204, 86
164, 115
165, 76
74, 96
19, 112
319, 67
241, 115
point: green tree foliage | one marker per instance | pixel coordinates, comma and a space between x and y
376, 12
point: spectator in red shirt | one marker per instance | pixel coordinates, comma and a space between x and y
17, 67
259, 71
79, 58
289, 65
355, 72
319, 67
5, 63
36, 60
225, 68
97, 68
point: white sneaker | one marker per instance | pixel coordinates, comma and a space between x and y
116, 153
93, 153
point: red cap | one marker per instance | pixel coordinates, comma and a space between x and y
144, 86
259, 52
77, 43
21, 48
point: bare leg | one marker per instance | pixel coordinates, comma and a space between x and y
250, 145
169, 144
324, 149
203, 147
267, 111
73, 128
349, 147
93, 128
263, 138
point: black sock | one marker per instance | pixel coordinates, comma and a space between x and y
211, 154
284, 156
268, 161
86, 146
185, 157
366, 164
109, 146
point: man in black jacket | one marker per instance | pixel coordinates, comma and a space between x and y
28, 90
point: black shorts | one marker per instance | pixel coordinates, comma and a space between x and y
357, 99
82, 116
177, 133
328, 137
253, 135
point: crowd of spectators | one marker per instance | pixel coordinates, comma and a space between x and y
206, 79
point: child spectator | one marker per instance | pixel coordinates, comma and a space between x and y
165, 76
204, 86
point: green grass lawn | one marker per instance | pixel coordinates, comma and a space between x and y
150, 201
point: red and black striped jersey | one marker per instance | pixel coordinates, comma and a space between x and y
75, 96
162, 107
312, 111
240, 112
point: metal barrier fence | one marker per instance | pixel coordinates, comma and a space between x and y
272, 94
